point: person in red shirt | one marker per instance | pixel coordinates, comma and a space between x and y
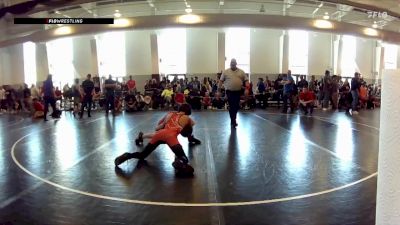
179, 99
307, 99
131, 85
38, 109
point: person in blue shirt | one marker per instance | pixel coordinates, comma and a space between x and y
288, 89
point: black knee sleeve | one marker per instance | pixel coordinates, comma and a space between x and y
179, 153
147, 151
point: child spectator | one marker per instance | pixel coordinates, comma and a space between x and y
207, 101
218, 102
179, 99
167, 94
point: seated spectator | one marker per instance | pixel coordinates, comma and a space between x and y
195, 99
179, 99
206, 101
306, 100
140, 101
218, 102
38, 109
167, 95
148, 102
186, 92
363, 95
118, 104
131, 102
58, 94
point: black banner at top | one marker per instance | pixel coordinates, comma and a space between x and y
63, 20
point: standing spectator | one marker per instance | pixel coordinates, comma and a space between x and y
312, 86
288, 89
307, 99
96, 81
233, 79
335, 92
326, 89
355, 88
131, 84
110, 86
196, 84
88, 92
261, 89
77, 94
49, 97
278, 86
302, 83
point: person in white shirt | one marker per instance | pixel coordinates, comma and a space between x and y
34, 92
233, 80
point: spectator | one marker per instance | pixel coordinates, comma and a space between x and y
38, 109
110, 86
288, 90
218, 102
363, 95
355, 88
49, 97
88, 92
131, 102
307, 99
179, 99
131, 85
302, 82
335, 92
27, 98
140, 101
167, 94
77, 94
206, 101
326, 90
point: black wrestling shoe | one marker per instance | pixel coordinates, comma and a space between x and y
183, 169
139, 139
122, 158
193, 141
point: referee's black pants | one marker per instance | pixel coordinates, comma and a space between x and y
234, 104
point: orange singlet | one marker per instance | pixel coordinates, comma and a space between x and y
169, 134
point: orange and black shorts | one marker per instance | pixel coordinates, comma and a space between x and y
167, 136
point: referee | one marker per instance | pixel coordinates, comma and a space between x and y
233, 80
